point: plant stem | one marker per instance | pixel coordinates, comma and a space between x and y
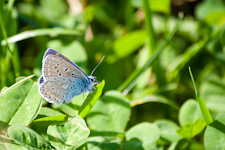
149, 26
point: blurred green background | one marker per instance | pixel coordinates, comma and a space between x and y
86, 30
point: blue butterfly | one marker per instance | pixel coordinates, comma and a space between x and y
61, 79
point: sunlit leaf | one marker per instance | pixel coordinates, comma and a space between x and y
153, 98
130, 42
27, 137
190, 130
106, 143
189, 112
214, 137
91, 100
20, 103
110, 113
142, 136
71, 135
168, 130
59, 119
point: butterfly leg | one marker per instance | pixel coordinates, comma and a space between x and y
90, 91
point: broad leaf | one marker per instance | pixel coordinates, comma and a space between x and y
27, 137
71, 135
214, 137
130, 42
168, 130
20, 103
46, 112
142, 136
106, 143
212, 92
210, 11
190, 130
110, 113
189, 112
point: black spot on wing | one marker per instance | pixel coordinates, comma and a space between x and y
53, 52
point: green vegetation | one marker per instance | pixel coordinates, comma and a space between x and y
162, 80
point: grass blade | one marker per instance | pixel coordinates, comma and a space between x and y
39, 32
205, 112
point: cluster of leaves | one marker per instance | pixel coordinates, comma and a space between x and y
147, 54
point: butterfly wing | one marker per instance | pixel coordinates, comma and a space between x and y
61, 79
56, 65
61, 90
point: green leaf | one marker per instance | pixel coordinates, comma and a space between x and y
71, 135
142, 136
157, 6
59, 119
153, 98
53, 13
20, 103
46, 112
6, 139
110, 113
7, 143
130, 42
72, 108
214, 137
27, 137
186, 145
2, 146
91, 100
114, 134
189, 112
160, 6
190, 130
11, 146
212, 92
179, 145
168, 130
103, 143
211, 11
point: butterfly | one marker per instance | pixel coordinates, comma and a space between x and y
61, 79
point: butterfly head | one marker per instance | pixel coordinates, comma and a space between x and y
93, 79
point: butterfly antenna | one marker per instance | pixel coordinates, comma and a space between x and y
97, 65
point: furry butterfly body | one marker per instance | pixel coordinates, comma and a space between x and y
61, 79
